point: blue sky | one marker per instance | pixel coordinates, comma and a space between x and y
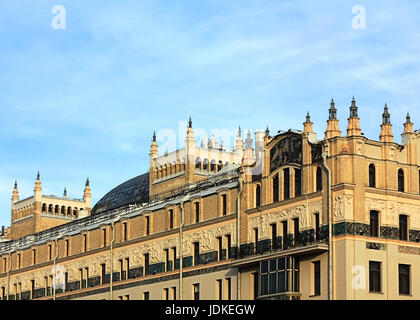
84, 101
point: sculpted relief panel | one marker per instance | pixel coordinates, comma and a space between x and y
390, 210
303, 212
343, 207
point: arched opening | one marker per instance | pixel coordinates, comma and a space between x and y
213, 165
57, 208
44, 207
69, 211
198, 163
318, 179
372, 176
258, 196
401, 180
50, 208
63, 210
276, 188
220, 166
205, 164
298, 182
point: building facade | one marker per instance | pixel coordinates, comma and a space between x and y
290, 216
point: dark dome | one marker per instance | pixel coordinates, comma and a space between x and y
135, 190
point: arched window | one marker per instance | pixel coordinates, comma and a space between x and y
63, 210
50, 208
372, 176
69, 211
213, 165
198, 163
205, 164
75, 212
258, 196
374, 223
276, 188
44, 207
298, 182
286, 183
401, 180
57, 208
318, 179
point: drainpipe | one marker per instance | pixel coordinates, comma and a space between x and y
238, 228
117, 218
330, 242
181, 292
8, 275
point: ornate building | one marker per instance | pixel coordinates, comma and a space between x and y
289, 217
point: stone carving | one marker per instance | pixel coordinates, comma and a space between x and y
390, 210
343, 204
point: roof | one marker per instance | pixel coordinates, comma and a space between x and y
135, 190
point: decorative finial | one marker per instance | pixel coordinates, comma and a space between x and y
15, 184
37, 176
308, 117
239, 132
408, 118
386, 117
248, 141
154, 136
267, 132
87, 182
332, 111
190, 123
353, 109
65, 192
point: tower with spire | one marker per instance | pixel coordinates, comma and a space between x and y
353, 127
332, 123
386, 134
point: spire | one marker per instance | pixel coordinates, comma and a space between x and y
86, 193
353, 109
332, 123
408, 125
15, 185
65, 192
38, 176
333, 111
190, 123
353, 127
386, 127
154, 136
239, 132
38, 183
15, 194
248, 141
386, 117
267, 132
307, 125
87, 182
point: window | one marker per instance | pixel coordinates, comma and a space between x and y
279, 275
219, 289
374, 224
127, 297
173, 293
4, 264
220, 246
229, 288
174, 256
127, 267
276, 188
33, 256
84, 243
317, 226
147, 225
32, 288
121, 269
318, 179
82, 280
285, 234
403, 227
256, 239
197, 212
104, 237
103, 273
3, 293
255, 282
171, 219
286, 183
146, 264
404, 278
258, 196
317, 277
196, 291
274, 235
224, 204
401, 180
44, 207
146, 295
166, 294
374, 276
298, 182
19, 262
166, 251
49, 252
124, 231
196, 253
229, 246
67, 248
372, 176
87, 276
296, 233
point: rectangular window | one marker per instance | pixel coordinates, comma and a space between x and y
84, 243
296, 233
286, 183
298, 182
32, 288
403, 227
229, 246
219, 289
173, 293
121, 269
174, 256
276, 188
87, 276
33, 256
147, 225
374, 224
171, 219
104, 237
146, 295
3, 293
224, 205
273, 235
67, 248
220, 248
196, 253
166, 254
374, 276
82, 282
4, 264
317, 277
103, 273
285, 234
256, 239
317, 226
404, 279
127, 267
124, 231
166, 294
228, 288
146, 264
197, 212
196, 290
255, 281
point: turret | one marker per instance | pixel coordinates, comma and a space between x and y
239, 144
15, 194
38, 189
65, 193
307, 125
332, 123
353, 128
152, 155
190, 153
408, 125
386, 127
249, 154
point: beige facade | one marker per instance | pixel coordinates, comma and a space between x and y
291, 217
